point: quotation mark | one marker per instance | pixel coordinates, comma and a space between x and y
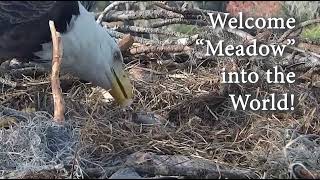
200, 42
291, 41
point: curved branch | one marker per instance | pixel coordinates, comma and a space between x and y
109, 8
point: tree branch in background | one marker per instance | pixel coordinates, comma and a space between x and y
109, 8
159, 49
128, 29
185, 11
118, 35
135, 15
162, 15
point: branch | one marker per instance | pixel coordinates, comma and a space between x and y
28, 71
147, 14
187, 11
159, 49
299, 26
55, 81
152, 164
244, 35
168, 8
117, 34
109, 8
178, 165
301, 172
127, 29
304, 52
125, 42
179, 21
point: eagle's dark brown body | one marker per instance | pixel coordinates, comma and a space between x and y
89, 52
24, 25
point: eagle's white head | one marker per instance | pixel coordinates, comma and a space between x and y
90, 53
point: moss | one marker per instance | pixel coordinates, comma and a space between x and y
312, 32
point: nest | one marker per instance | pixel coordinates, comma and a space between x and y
180, 113
174, 113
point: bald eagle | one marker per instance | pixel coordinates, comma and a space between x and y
89, 52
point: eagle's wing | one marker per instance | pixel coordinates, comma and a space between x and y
15, 12
24, 24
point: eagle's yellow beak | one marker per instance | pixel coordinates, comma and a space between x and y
121, 89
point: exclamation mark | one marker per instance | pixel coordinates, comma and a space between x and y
292, 102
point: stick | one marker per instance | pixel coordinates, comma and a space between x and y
301, 171
110, 7
186, 11
136, 15
27, 71
178, 165
159, 49
128, 29
299, 26
244, 35
141, 40
126, 42
55, 81
152, 164
167, 22
304, 52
